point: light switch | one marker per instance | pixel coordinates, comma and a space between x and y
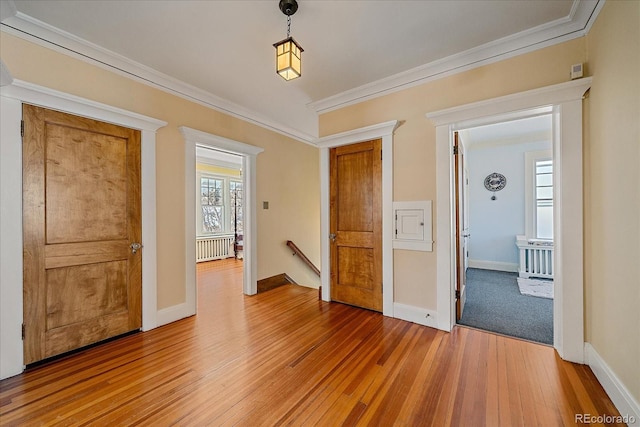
265, 205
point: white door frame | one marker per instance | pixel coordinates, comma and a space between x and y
385, 132
565, 102
248, 153
12, 97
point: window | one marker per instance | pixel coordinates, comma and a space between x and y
539, 195
544, 199
220, 203
212, 204
235, 189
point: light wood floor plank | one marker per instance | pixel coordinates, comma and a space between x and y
285, 358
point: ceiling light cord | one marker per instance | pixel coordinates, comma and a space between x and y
288, 25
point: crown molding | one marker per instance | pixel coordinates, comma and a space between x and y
576, 24
40, 33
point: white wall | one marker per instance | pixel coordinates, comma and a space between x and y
493, 224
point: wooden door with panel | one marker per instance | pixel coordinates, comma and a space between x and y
81, 230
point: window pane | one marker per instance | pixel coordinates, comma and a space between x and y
212, 204
544, 193
212, 219
544, 179
236, 206
544, 225
544, 199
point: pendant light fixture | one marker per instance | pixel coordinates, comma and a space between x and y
288, 52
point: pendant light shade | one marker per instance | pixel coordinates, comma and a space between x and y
288, 58
288, 51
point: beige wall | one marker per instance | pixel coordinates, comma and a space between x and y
292, 188
612, 193
218, 170
611, 52
414, 141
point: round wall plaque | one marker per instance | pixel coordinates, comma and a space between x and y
495, 182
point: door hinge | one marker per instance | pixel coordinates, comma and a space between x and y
23, 332
455, 150
22, 128
457, 294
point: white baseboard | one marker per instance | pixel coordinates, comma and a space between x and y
173, 313
493, 265
626, 404
421, 316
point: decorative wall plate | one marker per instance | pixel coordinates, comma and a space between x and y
495, 182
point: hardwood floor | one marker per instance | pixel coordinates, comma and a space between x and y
285, 358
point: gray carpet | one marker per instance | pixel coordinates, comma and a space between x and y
495, 304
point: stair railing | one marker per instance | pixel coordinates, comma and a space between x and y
303, 257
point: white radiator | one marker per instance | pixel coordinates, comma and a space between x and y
536, 257
214, 247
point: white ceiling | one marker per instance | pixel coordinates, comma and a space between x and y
530, 129
220, 53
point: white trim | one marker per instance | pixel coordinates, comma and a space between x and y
582, 15
250, 252
50, 37
11, 353
419, 315
566, 99
621, 397
493, 265
576, 24
385, 131
175, 312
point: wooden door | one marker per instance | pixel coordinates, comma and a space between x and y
81, 214
462, 229
356, 224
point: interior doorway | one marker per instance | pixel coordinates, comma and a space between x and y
219, 211
564, 102
504, 212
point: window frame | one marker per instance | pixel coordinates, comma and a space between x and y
531, 220
226, 202
231, 217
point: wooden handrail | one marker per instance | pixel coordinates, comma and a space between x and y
303, 257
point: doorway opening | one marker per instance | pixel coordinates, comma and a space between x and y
219, 214
504, 227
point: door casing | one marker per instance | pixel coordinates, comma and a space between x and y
564, 101
12, 96
383, 131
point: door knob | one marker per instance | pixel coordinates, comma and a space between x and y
332, 236
134, 247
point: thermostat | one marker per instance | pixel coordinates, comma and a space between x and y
576, 71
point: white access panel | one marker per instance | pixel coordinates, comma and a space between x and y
413, 225
409, 224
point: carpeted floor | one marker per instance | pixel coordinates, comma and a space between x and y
495, 304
